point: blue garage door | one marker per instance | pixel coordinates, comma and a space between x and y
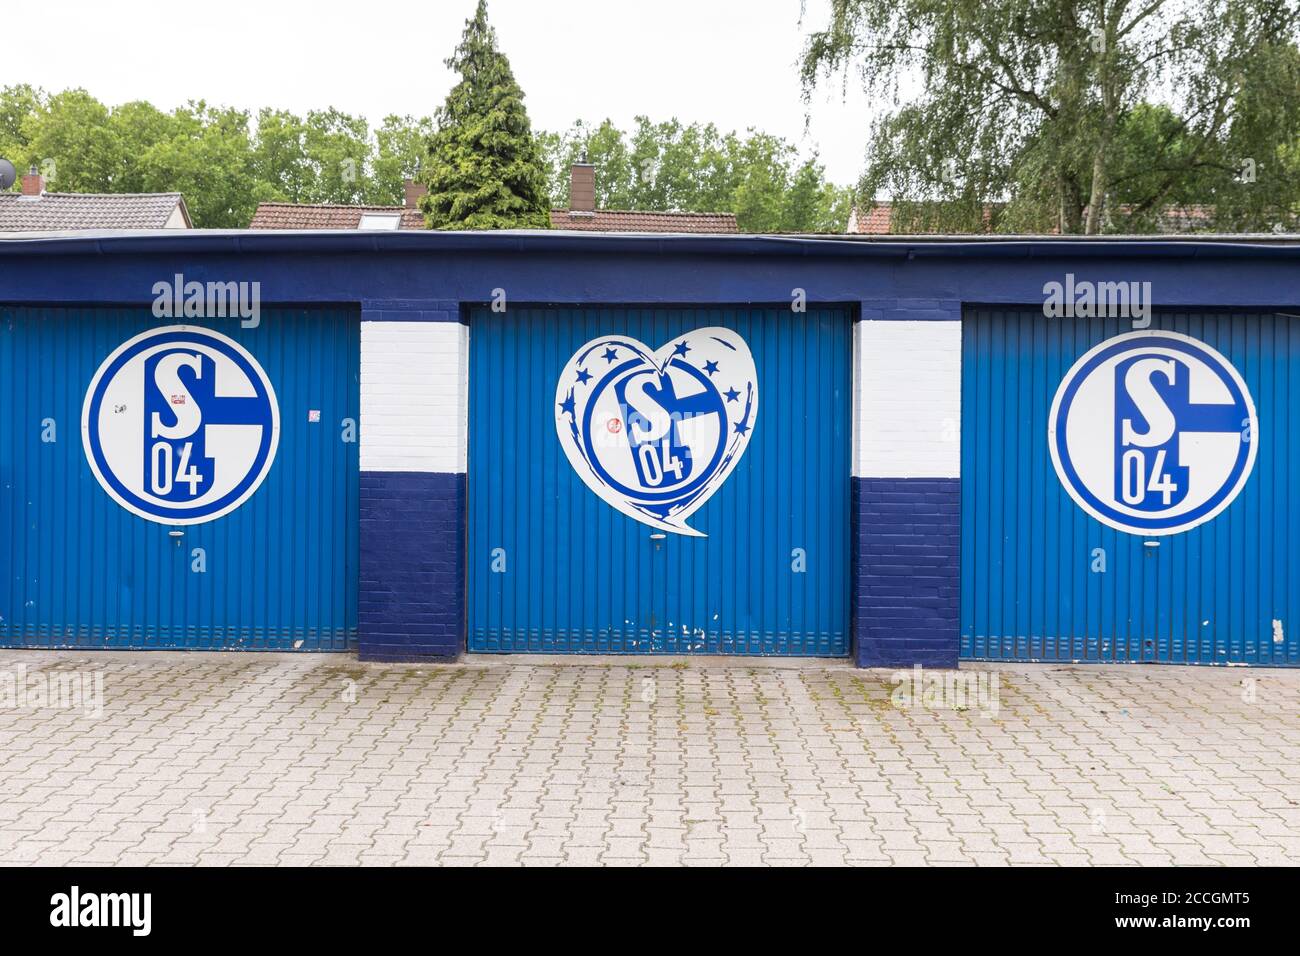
1129, 495
178, 486
629, 492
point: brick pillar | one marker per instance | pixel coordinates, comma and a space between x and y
414, 377
907, 483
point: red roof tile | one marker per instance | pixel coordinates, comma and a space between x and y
618, 220
877, 219
873, 220
278, 215
287, 215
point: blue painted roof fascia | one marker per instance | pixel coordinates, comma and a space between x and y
252, 242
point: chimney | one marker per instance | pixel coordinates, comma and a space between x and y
582, 187
414, 191
33, 183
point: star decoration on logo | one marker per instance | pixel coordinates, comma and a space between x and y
710, 367
567, 406
610, 354
583, 376
741, 428
732, 395
682, 349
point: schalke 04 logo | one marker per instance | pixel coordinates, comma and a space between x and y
656, 433
180, 425
1153, 433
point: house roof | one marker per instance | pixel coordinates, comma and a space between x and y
619, 220
287, 215
877, 219
71, 211
872, 220
282, 215
1182, 218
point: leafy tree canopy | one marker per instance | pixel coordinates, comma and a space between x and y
669, 166
1082, 115
484, 169
222, 159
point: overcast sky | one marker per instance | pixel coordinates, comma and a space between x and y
732, 62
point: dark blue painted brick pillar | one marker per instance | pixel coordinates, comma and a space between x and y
412, 594
908, 578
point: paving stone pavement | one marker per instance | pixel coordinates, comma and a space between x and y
219, 759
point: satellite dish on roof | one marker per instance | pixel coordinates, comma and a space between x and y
7, 174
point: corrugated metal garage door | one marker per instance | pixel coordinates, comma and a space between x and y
1047, 572
586, 497
227, 521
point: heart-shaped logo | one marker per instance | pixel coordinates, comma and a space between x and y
656, 433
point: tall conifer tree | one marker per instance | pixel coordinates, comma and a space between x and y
484, 169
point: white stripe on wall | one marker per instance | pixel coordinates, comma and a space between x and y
907, 399
414, 402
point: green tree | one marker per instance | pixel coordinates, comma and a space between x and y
814, 205
605, 147
16, 104
338, 149
401, 143
484, 169
760, 198
1262, 172
693, 168
669, 166
208, 158
139, 127
71, 139
279, 160
329, 157
1031, 100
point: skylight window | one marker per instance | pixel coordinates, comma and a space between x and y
380, 220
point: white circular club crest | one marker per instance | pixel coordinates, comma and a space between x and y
1153, 433
180, 425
